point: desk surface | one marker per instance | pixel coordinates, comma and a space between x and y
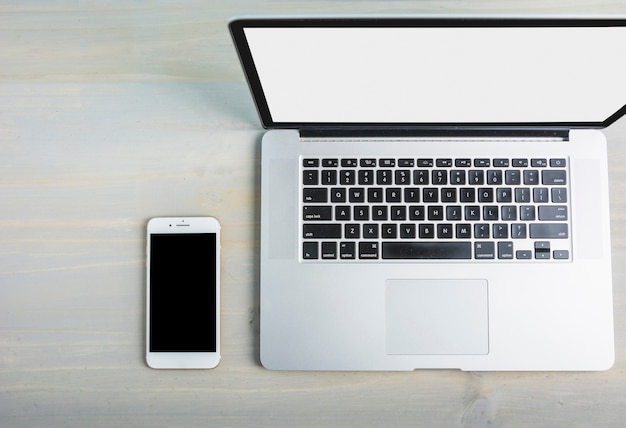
113, 114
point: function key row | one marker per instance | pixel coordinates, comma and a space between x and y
430, 162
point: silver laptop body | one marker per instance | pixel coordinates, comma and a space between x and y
434, 192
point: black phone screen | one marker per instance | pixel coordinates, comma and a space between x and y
183, 312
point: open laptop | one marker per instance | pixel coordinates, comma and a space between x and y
434, 192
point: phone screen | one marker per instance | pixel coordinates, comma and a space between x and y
183, 312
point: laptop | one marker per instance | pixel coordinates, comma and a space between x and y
434, 192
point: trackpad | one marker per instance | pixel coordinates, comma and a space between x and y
437, 317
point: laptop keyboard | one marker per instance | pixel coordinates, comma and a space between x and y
498, 209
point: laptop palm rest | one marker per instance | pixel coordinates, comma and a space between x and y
437, 317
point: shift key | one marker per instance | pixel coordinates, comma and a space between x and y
548, 230
321, 231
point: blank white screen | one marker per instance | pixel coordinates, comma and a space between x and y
441, 75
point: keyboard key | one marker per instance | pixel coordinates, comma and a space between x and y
349, 163
553, 212
527, 212
321, 231
509, 212
454, 212
380, 212
520, 163
329, 177
361, 212
356, 194
384, 177
430, 195
560, 254
463, 231
329, 250
490, 212
366, 177
435, 212
310, 163
338, 194
417, 212
370, 231
398, 212
501, 231
494, 177
426, 250
352, 231
374, 194
504, 194
411, 195
347, 177
523, 254
457, 176
444, 231
425, 163
389, 231
531, 177
420, 176
512, 177
548, 231
505, 250
540, 194
485, 194
559, 195
403, 177
501, 163
476, 177
368, 250
522, 194
554, 177
472, 212
468, 194
484, 250
518, 231
393, 194
330, 163
448, 195
539, 163
426, 231
440, 177
310, 250
407, 231
342, 212
347, 250
316, 213
557, 163
314, 195
310, 177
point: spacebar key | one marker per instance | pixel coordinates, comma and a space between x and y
427, 250
313, 231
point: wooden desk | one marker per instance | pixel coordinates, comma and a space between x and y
113, 114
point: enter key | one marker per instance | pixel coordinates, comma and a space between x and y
553, 212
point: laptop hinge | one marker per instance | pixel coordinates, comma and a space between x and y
451, 132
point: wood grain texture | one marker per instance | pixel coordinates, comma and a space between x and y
116, 112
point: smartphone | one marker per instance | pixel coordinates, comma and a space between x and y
183, 293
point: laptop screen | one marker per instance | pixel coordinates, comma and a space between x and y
434, 72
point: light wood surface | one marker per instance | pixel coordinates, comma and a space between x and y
115, 112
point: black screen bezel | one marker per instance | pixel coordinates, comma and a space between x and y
238, 26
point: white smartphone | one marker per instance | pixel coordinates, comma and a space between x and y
183, 293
